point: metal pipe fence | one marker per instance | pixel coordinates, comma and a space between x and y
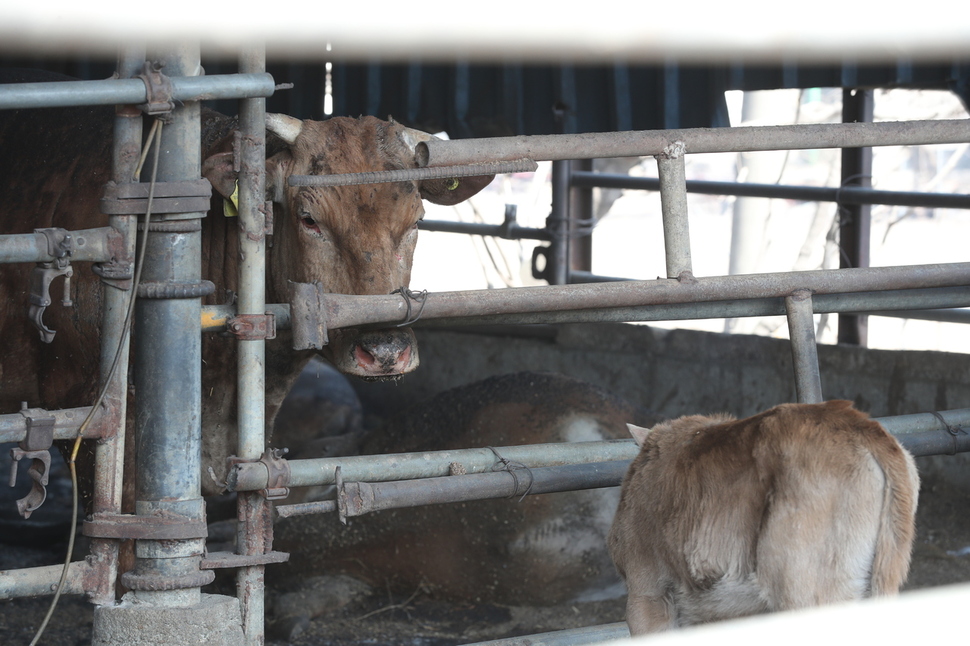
426, 478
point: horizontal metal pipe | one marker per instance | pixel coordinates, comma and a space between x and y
42, 581
843, 195
414, 174
514, 232
352, 311
921, 433
573, 637
436, 152
214, 317
89, 245
407, 466
359, 498
13, 427
132, 91
938, 315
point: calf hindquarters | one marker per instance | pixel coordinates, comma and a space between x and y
797, 506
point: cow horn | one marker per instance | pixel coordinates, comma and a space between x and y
287, 127
413, 137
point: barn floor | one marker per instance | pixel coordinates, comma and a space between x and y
941, 556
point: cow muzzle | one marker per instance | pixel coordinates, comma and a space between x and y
379, 354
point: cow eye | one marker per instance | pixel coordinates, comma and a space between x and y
309, 223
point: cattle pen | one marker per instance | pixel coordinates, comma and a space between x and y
171, 562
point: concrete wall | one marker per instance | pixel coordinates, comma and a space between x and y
684, 371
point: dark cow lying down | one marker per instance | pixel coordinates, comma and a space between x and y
356, 239
801, 505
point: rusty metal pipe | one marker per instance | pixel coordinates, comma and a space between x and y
352, 311
696, 140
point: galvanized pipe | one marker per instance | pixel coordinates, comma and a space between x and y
42, 581
557, 224
352, 311
90, 245
573, 637
128, 91
843, 195
804, 352
696, 140
413, 174
512, 232
116, 341
168, 374
253, 510
673, 202
13, 426
921, 433
406, 466
214, 317
359, 498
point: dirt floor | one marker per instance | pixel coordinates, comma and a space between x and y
347, 613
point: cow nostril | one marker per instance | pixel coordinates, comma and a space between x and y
363, 358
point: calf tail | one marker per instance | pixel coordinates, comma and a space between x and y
894, 541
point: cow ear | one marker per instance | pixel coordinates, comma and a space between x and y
453, 190
639, 433
277, 170
220, 171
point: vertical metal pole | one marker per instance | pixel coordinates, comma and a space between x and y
116, 276
673, 201
558, 225
255, 525
854, 219
581, 217
168, 369
801, 331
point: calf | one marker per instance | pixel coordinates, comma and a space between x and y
801, 505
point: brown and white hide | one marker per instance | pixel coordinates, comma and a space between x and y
801, 505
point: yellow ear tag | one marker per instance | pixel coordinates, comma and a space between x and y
230, 207
452, 184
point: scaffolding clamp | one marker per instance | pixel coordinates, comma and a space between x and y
158, 90
252, 327
277, 473
60, 245
36, 448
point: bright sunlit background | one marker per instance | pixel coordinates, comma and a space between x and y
628, 241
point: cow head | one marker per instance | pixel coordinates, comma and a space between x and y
350, 239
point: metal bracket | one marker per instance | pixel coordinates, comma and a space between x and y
40, 281
158, 89
252, 327
277, 472
35, 447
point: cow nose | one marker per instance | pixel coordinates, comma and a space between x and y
382, 358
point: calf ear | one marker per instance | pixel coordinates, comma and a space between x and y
639, 433
453, 190
220, 172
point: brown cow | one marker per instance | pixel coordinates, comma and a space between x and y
801, 505
356, 239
